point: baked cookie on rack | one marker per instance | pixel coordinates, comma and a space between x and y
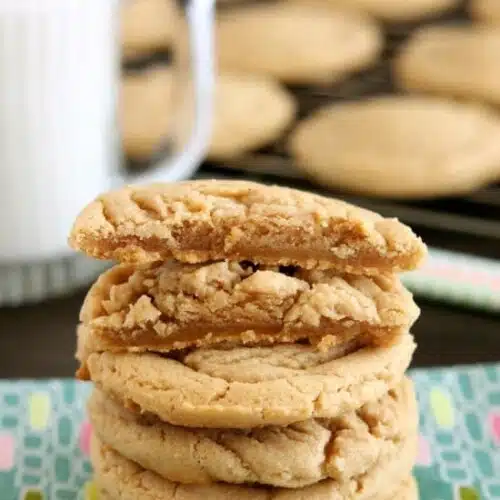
297, 44
146, 111
400, 147
391, 11
148, 26
454, 61
250, 112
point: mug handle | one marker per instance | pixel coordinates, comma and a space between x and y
200, 19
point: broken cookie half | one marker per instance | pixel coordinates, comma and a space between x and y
201, 221
165, 306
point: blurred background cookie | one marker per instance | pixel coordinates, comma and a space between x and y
487, 11
250, 112
146, 111
391, 11
148, 26
296, 43
400, 147
461, 62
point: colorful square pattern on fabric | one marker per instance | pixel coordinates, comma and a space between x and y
44, 437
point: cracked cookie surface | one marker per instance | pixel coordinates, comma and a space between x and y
248, 387
122, 479
200, 221
344, 449
159, 307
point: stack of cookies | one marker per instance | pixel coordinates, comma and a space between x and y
251, 344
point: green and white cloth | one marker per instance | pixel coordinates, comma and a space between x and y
44, 437
459, 279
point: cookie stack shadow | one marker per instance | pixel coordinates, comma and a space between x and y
251, 344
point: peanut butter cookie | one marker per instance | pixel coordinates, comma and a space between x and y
250, 111
296, 43
146, 111
247, 387
452, 61
164, 306
122, 479
400, 146
200, 221
289, 457
148, 26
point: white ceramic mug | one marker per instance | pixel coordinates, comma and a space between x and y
59, 137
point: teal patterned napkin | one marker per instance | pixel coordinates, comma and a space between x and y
44, 437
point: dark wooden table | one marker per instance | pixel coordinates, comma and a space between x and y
39, 341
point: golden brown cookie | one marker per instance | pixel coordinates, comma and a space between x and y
250, 112
164, 306
406, 491
296, 43
391, 11
289, 457
452, 61
400, 147
148, 25
248, 387
486, 11
199, 221
122, 479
